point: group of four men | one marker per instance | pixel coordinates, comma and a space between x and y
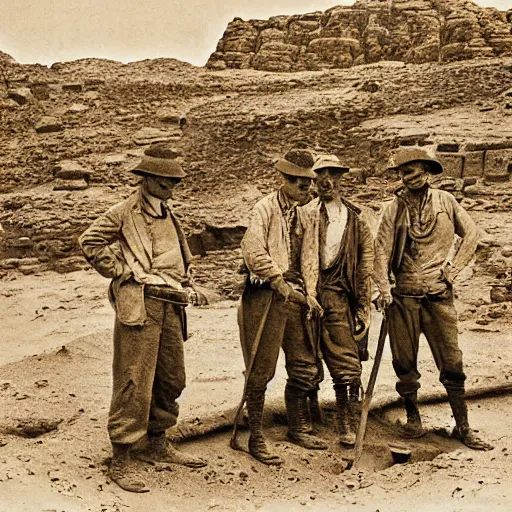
309, 265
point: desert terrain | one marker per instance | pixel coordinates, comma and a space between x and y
70, 134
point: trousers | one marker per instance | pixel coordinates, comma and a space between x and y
148, 373
339, 348
436, 318
284, 326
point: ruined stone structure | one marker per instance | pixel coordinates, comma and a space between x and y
415, 31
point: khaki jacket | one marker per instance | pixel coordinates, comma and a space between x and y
266, 242
423, 273
118, 245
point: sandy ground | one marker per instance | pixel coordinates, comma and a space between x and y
65, 392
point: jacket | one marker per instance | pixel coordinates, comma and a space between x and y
413, 260
357, 266
118, 246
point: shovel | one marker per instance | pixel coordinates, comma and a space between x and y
361, 431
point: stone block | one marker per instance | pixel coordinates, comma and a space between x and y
453, 163
498, 165
71, 170
448, 147
61, 184
48, 124
74, 87
473, 164
21, 96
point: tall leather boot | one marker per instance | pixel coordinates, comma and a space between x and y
299, 421
347, 435
354, 391
317, 414
257, 445
462, 431
413, 428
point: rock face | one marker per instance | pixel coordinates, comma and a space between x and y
414, 31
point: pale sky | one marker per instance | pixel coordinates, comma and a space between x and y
47, 31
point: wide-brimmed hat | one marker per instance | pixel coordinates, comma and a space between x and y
298, 163
330, 162
165, 167
409, 155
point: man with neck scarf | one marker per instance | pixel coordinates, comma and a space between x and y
425, 238
337, 264
271, 316
142, 247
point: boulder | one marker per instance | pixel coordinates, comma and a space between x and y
71, 170
21, 96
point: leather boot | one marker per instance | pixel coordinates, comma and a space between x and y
257, 445
317, 414
413, 428
122, 470
299, 421
345, 429
354, 391
462, 431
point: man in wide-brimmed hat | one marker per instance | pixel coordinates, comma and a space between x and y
336, 265
141, 246
415, 266
271, 314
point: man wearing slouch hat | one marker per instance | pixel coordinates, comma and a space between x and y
141, 246
273, 311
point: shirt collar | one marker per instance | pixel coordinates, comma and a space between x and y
152, 205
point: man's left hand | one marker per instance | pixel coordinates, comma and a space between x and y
449, 273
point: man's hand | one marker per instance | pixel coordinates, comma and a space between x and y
313, 305
196, 298
383, 301
449, 273
281, 287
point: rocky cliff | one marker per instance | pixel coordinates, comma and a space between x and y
413, 31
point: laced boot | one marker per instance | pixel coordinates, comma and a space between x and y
159, 450
257, 445
122, 470
413, 428
317, 414
462, 431
299, 422
347, 435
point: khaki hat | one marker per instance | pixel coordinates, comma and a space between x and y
297, 162
409, 155
329, 162
165, 167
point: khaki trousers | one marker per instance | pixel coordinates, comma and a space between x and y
148, 374
437, 319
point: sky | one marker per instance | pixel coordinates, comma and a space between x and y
48, 31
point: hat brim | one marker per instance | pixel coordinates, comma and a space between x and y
162, 167
290, 169
435, 167
336, 167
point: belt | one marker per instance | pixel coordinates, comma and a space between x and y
166, 294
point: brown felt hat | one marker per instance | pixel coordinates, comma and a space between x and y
165, 167
297, 162
330, 162
409, 155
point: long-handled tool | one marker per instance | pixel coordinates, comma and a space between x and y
361, 431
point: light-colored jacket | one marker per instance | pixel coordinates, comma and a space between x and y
118, 245
424, 272
266, 242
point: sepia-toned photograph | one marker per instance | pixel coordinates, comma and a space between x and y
256, 256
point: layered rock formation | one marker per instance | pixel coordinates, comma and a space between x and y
414, 31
